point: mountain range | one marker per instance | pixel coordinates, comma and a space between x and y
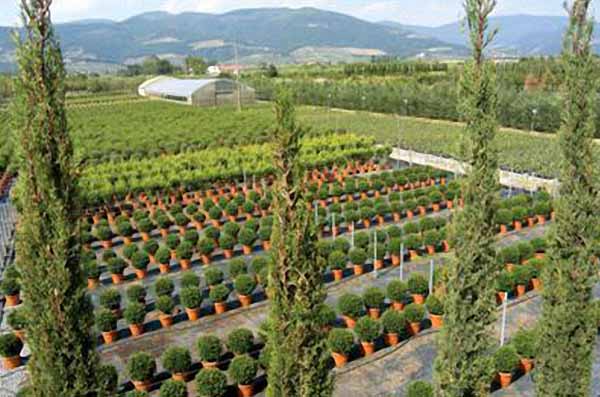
279, 35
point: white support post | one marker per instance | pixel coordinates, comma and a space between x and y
333, 224
352, 234
431, 269
503, 329
402, 262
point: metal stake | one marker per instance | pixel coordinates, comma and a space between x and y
504, 307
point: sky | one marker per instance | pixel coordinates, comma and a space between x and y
415, 12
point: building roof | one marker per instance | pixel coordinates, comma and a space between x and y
176, 87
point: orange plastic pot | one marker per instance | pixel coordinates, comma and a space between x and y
368, 348
136, 329
164, 268
192, 314
505, 379
245, 300
358, 270
185, 264
350, 322
110, 336
142, 385
117, 278
374, 313
11, 362
338, 274
419, 299
166, 320
339, 359
414, 328
246, 390
391, 339
220, 307
526, 364
12, 300
437, 321
398, 306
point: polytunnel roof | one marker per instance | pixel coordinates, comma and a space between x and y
176, 87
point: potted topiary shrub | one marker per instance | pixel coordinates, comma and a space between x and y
17, 321
173, 242
213, 276
395, 250
542, 209
413, 243
351, 307
106, 322
181, 221
374, 300
163, 257
414, 314
521, 276
111, 300
539, 246
185, 251
191, 299
164, 286
165, 305
358, 257
340, 343
510, 256
206, 246
11, 289
92, 272
210, 350
137, 393
240, 341
134, 314
189, 279
10, 350
519, 213
247, 237
173, 388
506, 360
215, 214
140, 262
116, 267
337, 264
108, 379
136, 293
104, 234
419, 388
243, 371
218, 294
394, 325
418, 286
145, 226
504, 219
211, 382
525, 343
237, 266
368, 330
326, 316
244, 286
141, 368
164, 223
150, 247
431, 240
264, 234
232, 229
178, 361
436, 311
505, 284
397, 292
227, 243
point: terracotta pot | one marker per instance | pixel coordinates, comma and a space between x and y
164, 268
220, 307
166, 320
245, 300
422, 211
521, 290
436, 207
374, 313
12, 300
358, 270
350, 322
209, 364
419, 299
127, 240
518, 225
437, 321
391, 339
247, 249
398, 306
142, 385
500, 296
180, 376
395, 260
173, 254
141, 273
106, 244
503, 229
397, 217
136, 329
206, 259
11, 362
20, 333
505, 379
510, 267
541, 219
368, 348
413, 254
145, 236
445, 246
339, 359
198, 225
192, 314
92, 283
185, 264
164, 233
414, 328
246, 390
430, 250
110, 336
536, 284
540, 255
526, 364
228, 254
449, 204
266, 245
117, 278
531, 222
367, 223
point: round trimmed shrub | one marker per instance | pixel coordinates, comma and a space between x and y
136, 293
522, 274
108, 379
165, 304
189, 279
505, 282
213, 276
150, 247
417, 284
337, 260
103, 233
17, 319
374, 298
367, 329
357, 256
351, 305
172, 388
525, 343
326, 316
105, 320
164, 286
135, 313
504, 217
397, 290
185, 250
211, 383
341, 245
177, 360
539, 244
10, 345
419, 388
226, 241
136, 393
116, 266
219, 293
232, 229
145, 225
206, 246
141, 367
191, 297
393, 322
191, 236
243, 370
434, 305
212, 233
414, 313
240, 341
340, 341
244, 284
173, 241
237, 267
209, 348
247, 236
215, 213
110, 299
140, 260
10, 286
257, 264
163, 255
506, 359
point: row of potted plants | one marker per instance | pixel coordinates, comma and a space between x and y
520, 210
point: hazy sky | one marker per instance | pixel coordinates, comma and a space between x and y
418, 12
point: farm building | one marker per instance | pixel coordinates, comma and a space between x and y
203, 92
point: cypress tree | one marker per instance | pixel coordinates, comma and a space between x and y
296, 339
63, 356
567, 327
463, 366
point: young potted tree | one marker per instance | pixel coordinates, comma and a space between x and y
173, 242
368, 330
521, 276
243, 371
111, 299
397, 292
419, 287
247, 237
150, 247
163, 257
211, 382
326, 316
173, 388
505, 285
395, 250
413, 243
206, 246
504, 219
164, 223
141, 368
232, 210
164, 286
374, 300
525, 343
542, 210
198, 220
237, 267
10, 350
414, 315
244, 286
213, 276
191, 236
165, 306
126, 231
436, 311
431, 239
209, 349
264, 234
394, 325
539, 246
511, 256
337, 263
227, 244
185, 251
108, 379
178, 361
436, 198
106, 322
240, 341
191, 299
340, 343
136, 293
145, 226
134, 314
358, 257
218, 294
104, 234
351, 307
140, 262
17, 321
181, 221
506, 360
92, 272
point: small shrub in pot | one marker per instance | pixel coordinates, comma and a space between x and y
240, 341
211, 383
209, 349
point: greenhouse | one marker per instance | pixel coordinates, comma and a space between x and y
201, 92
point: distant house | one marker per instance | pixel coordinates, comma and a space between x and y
203, 92
214, 70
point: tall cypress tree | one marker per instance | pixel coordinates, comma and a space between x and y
567, 328
63, 357
463, 366
296, 339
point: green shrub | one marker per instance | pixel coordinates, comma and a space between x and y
145, 225
232, 229
136, 393
105, 320
165, 304
240, 341
247, 236
163, 255
173, 241
141, 367
10, 286
324, 248
525, 343
367, 329
135, 313
213, 276
539, 244
211, 383
209, 348
243, 370
212, 233
110, 299
136, 293
350, 305
172, 388
506, 359
434, 305
189, 279
417, 284
91, 269
185, 250
206, 246
411, 228
140, 260
226, 242
340, 341
431, 238
341, 245
237, 267
10, 345
191, 297
108, 379
419, 388
219, 293
164, 286
393, 322
103, 233
361, 240
414, 313
505, 282
522, 274
542, 208
374, 298
265, 233
215, 213
337, 260
396, 291
326, 316
257, 264
413, 242
177, 360
150, 246
17, 319
244, 284
358, 256
128, 252
191, 236
504, 217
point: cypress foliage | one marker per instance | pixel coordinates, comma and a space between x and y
63, 356
296, 340
463, 366
567, 328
